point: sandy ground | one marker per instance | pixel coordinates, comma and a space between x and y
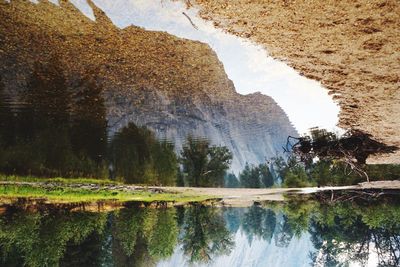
247, 196
238, 197
351, 47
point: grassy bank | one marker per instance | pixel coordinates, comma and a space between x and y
72, 195
62, 191
58, 180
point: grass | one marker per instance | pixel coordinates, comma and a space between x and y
73, 195
62, 193
59, 180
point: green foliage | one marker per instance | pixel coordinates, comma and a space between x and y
155, 229
163, 238
204, 234
127, 224
352, 231
266, 176
42, 239
57, 180
204, 165
332, 173
346, 231
259, 222
341, 233
283, 167
256, 176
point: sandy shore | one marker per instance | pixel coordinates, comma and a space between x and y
238, 197
247, 196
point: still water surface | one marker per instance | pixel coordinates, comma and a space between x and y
294, 234
248, 65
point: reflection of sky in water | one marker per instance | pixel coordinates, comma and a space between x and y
305, 101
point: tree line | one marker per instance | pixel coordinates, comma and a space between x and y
137, 236
142, 236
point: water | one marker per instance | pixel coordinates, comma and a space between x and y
248, 65
294, 234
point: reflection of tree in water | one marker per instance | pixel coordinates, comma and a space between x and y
7, 135
204, 165
57, 128
204, 234
88, 120
138, 157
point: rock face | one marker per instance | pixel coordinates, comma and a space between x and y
174, 86
351, 47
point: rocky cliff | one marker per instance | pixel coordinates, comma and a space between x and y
351, 47
174, 86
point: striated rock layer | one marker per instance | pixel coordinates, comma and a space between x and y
351, 47
174, 86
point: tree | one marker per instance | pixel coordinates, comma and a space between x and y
348, 232
259, 222
164, 235
44, 122
144, 234
205, 234
41, 239
219, 160
204, 165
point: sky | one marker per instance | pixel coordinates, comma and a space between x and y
248, 65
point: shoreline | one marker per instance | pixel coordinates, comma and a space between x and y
103, 197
